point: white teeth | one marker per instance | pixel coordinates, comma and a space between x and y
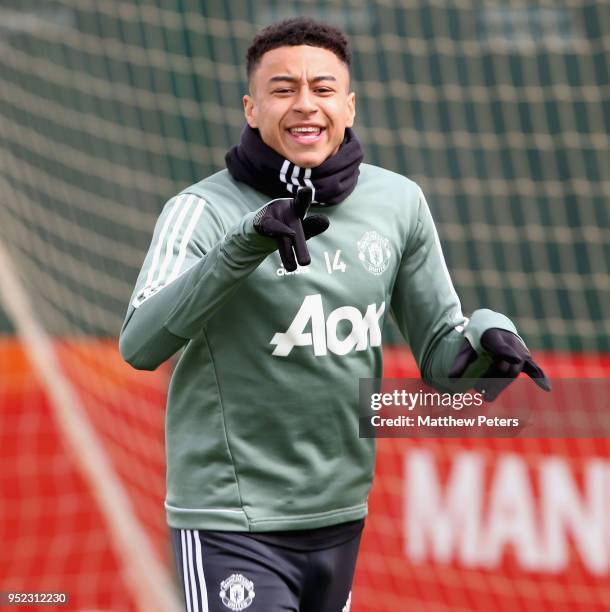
305, 130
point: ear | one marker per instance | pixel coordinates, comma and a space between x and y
351, 109
250, 111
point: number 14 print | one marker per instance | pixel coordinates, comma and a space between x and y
337, 264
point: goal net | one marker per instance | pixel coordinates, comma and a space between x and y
499, 110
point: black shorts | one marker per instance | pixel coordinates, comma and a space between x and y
297, 571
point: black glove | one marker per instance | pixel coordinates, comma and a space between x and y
509, 358
284, 220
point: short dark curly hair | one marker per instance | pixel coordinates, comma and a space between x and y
297, 31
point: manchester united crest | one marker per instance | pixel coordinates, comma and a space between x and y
237, 592
374, 252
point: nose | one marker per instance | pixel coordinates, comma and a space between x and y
305, 102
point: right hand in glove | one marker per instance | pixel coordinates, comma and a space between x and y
284, 219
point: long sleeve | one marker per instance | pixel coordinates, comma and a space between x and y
192, 267
427, 308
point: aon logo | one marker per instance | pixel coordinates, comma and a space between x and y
365, 330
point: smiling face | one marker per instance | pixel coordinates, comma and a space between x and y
300, 102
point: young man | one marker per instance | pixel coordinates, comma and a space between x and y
267, 478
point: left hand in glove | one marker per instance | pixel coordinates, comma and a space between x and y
509, 358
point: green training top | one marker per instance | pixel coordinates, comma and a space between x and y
262, 410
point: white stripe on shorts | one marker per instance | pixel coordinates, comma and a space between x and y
185, 571
191, 567
202, 585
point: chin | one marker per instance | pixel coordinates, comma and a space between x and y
308, 160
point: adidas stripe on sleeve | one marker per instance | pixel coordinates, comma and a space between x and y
193, 264
171, 252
